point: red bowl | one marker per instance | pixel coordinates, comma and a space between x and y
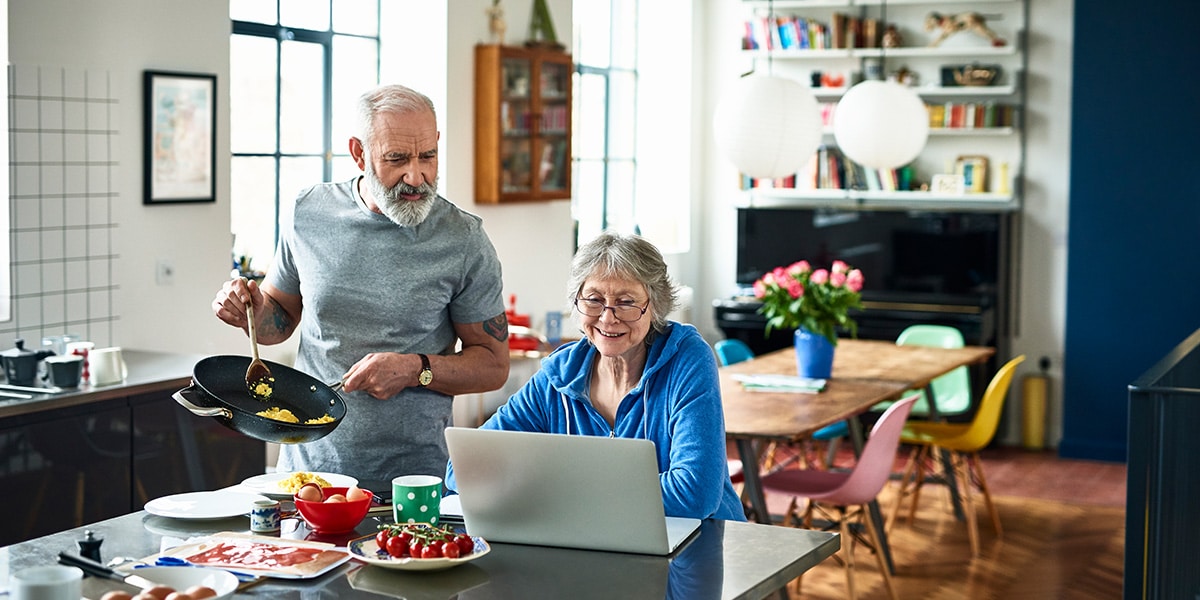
333, 517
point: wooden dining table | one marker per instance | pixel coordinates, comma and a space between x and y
865, 373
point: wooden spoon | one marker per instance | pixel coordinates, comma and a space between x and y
258, 376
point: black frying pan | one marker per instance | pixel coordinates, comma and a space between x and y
219, 390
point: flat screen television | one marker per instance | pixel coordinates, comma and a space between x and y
901, 253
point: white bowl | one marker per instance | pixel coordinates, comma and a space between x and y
182, 578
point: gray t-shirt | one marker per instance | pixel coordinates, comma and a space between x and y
370, 285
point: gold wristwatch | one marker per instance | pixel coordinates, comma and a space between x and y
425, 377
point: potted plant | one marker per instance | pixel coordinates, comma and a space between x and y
816, 303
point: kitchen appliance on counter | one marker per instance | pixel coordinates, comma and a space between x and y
21, 364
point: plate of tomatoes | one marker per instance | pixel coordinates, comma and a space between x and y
417, 547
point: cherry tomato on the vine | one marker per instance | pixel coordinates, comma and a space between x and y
431, 551
381, 538
395, 547
466, 545
450, 549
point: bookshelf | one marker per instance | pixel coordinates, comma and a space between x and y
827, 38
522, 124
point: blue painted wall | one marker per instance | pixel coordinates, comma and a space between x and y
1133, 253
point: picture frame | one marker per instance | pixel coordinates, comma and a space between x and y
180, 137
945, 183
974, 170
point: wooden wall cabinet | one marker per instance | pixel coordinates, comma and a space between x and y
522, 124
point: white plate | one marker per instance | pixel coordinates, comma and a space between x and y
267, 484
251, 546
366, 550
182, 578
203, 505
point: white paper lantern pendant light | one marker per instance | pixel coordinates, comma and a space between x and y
881, 124
767, 126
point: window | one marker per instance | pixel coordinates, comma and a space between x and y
296, 69
633, 120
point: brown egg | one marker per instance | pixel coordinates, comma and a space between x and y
199, 592
355, 494
310, 492
117, 595
335, 498
159, 592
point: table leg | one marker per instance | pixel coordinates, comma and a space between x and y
876, 515
752, 483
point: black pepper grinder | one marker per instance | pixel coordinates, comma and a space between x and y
89, 546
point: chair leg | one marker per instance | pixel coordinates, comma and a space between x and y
977, 463
960, 468
904, 488
878, 548
848, 553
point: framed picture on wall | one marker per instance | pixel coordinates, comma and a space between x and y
180, 137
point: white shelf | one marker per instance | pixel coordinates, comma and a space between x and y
863, 199
918, 52
972, 131
967, 90
794, 4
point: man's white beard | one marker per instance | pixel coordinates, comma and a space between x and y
407, 213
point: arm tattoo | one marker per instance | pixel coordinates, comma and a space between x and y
497, 327
280, 319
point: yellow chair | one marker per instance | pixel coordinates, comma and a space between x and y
963, 441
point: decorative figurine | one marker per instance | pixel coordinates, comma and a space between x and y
891, 37
541, 28
965, 21
496, 23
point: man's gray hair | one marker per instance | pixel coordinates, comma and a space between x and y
387, 99
613, 254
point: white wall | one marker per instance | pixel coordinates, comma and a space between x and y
125, 37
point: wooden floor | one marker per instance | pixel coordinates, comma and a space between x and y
1063, 523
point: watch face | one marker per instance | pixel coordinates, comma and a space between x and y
426, 377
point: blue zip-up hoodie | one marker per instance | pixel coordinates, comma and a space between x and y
676, 405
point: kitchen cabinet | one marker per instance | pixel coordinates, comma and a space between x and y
970, 119
522, 124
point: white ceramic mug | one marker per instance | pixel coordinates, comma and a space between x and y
54, 582
106, 366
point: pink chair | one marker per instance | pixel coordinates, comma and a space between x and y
842, 496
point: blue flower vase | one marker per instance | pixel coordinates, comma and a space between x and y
814, 355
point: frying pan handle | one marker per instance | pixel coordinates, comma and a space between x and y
200, 411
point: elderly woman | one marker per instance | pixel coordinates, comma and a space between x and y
635, 375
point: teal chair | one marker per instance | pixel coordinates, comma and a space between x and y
952, 390
735, 351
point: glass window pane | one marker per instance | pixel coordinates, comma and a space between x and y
301, 102
354, 72
587, 202
252, 94
295, 175
252, 209
254, 11
591, 44
344, 168
590, 118
622, 123
624, 33
619, 208
305, 14
356, 16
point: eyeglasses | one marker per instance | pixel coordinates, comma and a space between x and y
627, 313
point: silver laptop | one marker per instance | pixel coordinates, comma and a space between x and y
573, 491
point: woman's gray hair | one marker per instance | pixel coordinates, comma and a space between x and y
612, 254
387, 99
